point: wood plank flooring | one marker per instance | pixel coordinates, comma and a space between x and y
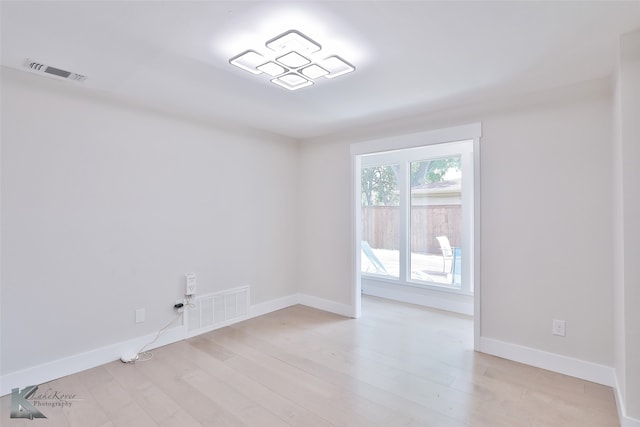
398, 365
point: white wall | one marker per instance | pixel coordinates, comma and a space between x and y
618, 247
546, 239
105, 207
545, 210
628, 225
325, 259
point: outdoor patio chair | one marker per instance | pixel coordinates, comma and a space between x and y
368, 251
447, 252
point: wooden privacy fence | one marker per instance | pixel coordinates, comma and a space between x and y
381, 224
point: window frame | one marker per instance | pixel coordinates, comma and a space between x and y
403, 158
468, 304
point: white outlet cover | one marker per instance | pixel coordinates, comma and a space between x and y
140, 315
558, 328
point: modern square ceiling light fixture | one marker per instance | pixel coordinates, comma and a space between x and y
293, 60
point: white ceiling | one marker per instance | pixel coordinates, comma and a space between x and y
411, 57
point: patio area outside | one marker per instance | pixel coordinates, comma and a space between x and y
429, 268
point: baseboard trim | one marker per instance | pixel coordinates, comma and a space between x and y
79, 362
625, 421
272, 305
82, 361
578, 368
326, 305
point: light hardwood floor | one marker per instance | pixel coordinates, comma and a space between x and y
398, 365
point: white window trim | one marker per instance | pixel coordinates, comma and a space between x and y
358, 151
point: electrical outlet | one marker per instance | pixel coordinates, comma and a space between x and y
140, 315
558, 327
190, 288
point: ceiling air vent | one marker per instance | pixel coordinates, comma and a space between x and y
42, 68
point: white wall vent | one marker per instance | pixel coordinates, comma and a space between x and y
216, 310
39, 67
